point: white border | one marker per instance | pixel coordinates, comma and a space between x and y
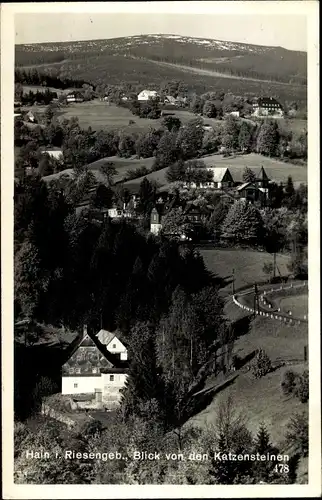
308, 8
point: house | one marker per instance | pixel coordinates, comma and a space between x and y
251, 192
74, 97
261, 177
222, 178
147, 95
113, 344
53, 152
267, 106
94, 372
156, 219
169, 99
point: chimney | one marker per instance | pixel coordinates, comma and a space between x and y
84, 330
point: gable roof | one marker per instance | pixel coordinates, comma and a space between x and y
105, 337
88, 340
219, 173
246, 184
237, 173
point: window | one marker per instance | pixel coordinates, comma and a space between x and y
114, 346
77, 370
71, 370
75, 386
111, 378
94, 370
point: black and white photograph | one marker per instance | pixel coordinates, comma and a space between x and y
160, 180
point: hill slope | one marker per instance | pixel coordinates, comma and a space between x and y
133, 60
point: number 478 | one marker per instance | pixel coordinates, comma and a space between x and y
282, 468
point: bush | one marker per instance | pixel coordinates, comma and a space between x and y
262, 364
302, 387
289, 382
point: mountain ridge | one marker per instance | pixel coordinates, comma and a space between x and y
173, 36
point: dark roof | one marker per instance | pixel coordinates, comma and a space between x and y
89, 340
266, 101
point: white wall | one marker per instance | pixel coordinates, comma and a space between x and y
155, 228
115, 346
85, 385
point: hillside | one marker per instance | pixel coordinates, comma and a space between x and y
148, 60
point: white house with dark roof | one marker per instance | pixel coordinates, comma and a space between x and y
267, 106
113, 344
96, 371
147, 95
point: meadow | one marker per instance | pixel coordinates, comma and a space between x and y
282, 343
247, 264
101, 116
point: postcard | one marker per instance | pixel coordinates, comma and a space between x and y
160, 250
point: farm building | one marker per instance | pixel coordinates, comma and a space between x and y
267, 106
147, 95
96, 370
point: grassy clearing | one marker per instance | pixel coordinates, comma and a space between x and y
298, 304
248, 265
281, 343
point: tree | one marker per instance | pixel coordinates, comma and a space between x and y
189, 139
147, 193
230, 133
297, 437
209, 109
268, 268
102, 197
167, 151
126, 145
262, 364
268, 138
146, 144
108, 170
245, 136
248, 175
301, 390
176, 171
174, 222
143, 384
243, 223
171, 123
30, 279
215, 221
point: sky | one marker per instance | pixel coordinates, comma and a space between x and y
285, 30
